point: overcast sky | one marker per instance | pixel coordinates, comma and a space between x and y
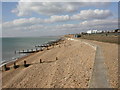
57, 18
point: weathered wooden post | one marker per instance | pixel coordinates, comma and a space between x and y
15, 65
25, 64
47, 48
40, 60
41, 49
56, 58
6, 68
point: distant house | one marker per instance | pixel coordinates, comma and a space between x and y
93, 31
89, 32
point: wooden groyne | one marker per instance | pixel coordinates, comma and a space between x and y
40, 47
50, 43
29, 50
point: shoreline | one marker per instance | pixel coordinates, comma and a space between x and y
74, 58
67, 58
11, 61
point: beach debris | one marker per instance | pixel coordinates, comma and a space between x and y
56, 58
6, 68
40, 60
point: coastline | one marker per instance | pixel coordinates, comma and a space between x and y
75, 58
11, 61
68, 59
28, 45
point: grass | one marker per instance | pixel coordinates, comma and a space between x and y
103, 38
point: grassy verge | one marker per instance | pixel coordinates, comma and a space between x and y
103, 38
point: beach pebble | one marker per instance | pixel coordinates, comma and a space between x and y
87, 79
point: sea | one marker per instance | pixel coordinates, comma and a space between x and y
8, 46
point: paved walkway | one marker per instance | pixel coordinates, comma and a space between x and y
99, 78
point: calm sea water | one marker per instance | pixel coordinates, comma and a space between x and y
9, 45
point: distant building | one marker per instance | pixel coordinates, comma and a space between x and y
77, 35
93, 31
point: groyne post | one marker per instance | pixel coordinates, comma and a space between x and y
56, 58
6, 68
25, 63
40, 60
47, 48
15, 66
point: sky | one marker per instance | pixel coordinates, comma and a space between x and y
26, 19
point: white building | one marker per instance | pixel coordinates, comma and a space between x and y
93, 31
